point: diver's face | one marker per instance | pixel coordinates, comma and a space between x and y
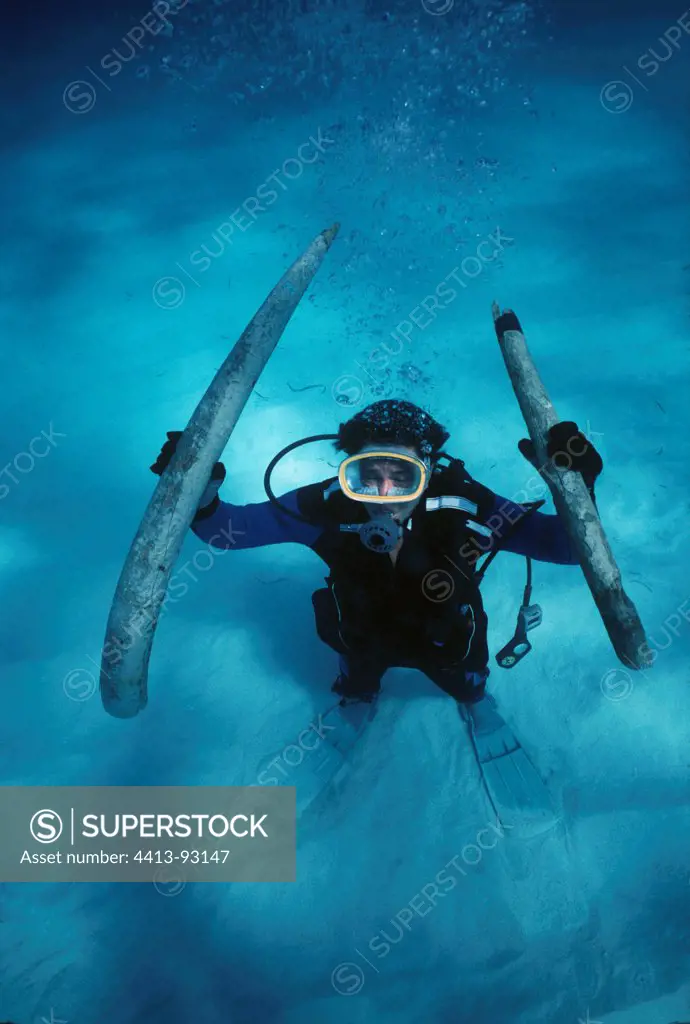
386, 476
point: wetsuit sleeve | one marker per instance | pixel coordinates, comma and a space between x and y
537, 535
255, 526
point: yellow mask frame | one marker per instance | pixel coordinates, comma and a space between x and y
382, 499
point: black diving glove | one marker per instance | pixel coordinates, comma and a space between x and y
209, 499
568, 448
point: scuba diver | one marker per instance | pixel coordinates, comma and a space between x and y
402, 528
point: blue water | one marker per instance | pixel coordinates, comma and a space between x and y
425, 130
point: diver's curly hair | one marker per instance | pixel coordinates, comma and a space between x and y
392, 421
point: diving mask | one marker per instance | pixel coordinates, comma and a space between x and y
383, 476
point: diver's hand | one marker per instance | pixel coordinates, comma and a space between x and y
568, 448
210, 496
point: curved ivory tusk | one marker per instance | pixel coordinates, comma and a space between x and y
146, 573
575, 506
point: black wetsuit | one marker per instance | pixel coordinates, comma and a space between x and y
425, 611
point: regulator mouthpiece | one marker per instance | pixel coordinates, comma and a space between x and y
381, 534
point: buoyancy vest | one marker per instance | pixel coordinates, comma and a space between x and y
430, 596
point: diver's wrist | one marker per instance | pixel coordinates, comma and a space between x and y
206, 511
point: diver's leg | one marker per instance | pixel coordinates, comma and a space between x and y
467, 686
361, 667
360, 676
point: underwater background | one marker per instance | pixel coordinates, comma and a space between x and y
556, 133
